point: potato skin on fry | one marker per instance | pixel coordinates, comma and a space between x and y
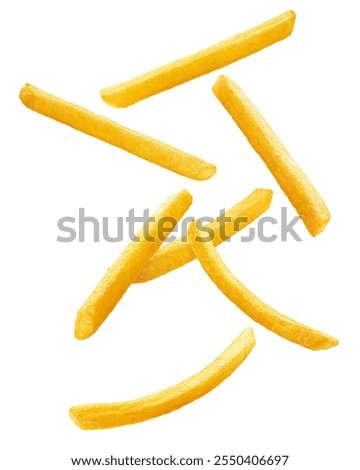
179, 252
205, 61
109, 131
292, 180
248, 302
109, 415
127, 267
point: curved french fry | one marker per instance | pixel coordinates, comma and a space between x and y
292, 180
255, 308
109, 131
179, 252
205, 61
128, 266
109, 415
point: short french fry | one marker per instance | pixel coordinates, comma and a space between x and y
200, 63
128, 266
109, 415
179, 252
255, 308
292, 180
109, 131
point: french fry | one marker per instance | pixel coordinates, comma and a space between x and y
292, 180
109, 131
109, 415
200, 63
179, 252
255, 308
241, 215
127, 267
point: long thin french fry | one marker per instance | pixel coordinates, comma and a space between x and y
127, 267
179, 252
200, 63
110, 415
109, 131
292, 180
255, 308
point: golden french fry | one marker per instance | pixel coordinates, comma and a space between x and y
128, 266
255, 308
193, 66
109, 131
292, 180
109, 415
179, 252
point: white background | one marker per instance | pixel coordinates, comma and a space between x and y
284, 399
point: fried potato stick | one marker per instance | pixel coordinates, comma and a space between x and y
200, 63
179, 252
109, 415
109, 131
127, 267
292, 180
255, 308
